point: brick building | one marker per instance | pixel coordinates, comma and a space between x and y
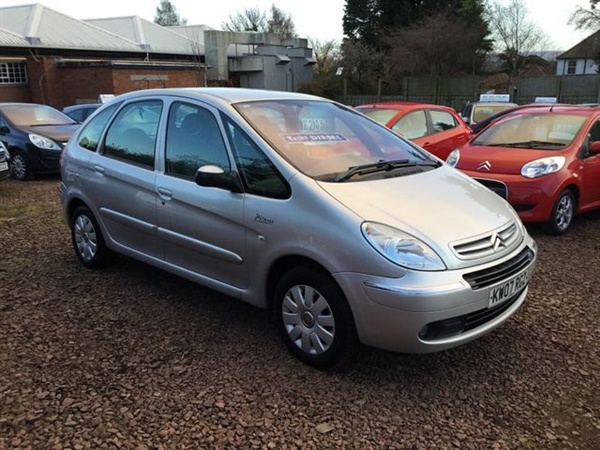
51, 58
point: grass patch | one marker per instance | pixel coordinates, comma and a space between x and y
12, 212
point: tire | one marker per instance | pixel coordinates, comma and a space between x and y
562, 213
314, 319
19, 166
87, 239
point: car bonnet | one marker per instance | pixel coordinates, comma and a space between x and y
439, 206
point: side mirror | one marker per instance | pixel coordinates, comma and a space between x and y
594, 148
4, 130
215, 176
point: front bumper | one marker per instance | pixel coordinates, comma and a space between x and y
425, 312
533, 199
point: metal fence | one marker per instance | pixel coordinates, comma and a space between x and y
456, 91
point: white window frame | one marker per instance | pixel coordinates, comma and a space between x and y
13, 73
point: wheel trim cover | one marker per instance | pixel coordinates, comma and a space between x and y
308, 320
19, 166
564, 212
86, 240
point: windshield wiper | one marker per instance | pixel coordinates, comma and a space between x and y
381, 166
527, 144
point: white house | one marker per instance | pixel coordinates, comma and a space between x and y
580, 59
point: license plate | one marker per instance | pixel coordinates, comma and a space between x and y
501, 293
3, 166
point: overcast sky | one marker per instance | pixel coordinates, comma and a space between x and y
317, 19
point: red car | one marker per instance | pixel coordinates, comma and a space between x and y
544, 161
438, 129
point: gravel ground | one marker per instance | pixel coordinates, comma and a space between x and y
133, 358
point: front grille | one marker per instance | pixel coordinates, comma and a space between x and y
495, 242
487, 277
496, 186
461, 324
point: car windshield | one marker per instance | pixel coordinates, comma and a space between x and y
332, 143
35, 115
380, 115
484, 111
534, 131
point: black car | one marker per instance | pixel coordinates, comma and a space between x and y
81, 112
35, 136
4, 167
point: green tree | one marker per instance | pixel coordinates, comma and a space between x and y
371, 22
167, 15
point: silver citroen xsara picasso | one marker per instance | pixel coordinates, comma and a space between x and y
348, 232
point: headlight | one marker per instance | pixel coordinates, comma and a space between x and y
543, 166
42, 142
401, 248
453, 157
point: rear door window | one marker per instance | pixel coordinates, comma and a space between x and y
131, 137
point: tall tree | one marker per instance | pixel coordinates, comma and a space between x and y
586, 19
281, 23
371, 22
439, 44
254, 19
167, 15
250, 19
516, 36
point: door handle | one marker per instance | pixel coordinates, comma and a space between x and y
164, 194
99, 170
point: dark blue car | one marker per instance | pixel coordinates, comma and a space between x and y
34, 136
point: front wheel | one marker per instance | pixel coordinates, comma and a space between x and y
87, 239
19, 166
314, 318
562, 213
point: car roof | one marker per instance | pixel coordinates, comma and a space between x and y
227, 94
554, 108
404, 105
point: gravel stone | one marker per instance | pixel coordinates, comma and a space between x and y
130, 357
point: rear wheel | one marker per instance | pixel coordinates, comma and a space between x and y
314, 318
19, 166
562, 213
87, 239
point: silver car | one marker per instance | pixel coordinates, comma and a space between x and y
349, 233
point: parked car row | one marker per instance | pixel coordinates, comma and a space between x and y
34, 135
543, 158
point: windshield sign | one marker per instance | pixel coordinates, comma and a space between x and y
331, 143
533, 131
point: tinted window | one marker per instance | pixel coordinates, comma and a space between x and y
259, 175
78, 115
132, 135
90, 135
441, 120
413, 125
193, 140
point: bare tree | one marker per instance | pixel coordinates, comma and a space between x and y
167, 15
281, 23
327, 56
250, 19
586, 19
363, 65
517, 37
253, 19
